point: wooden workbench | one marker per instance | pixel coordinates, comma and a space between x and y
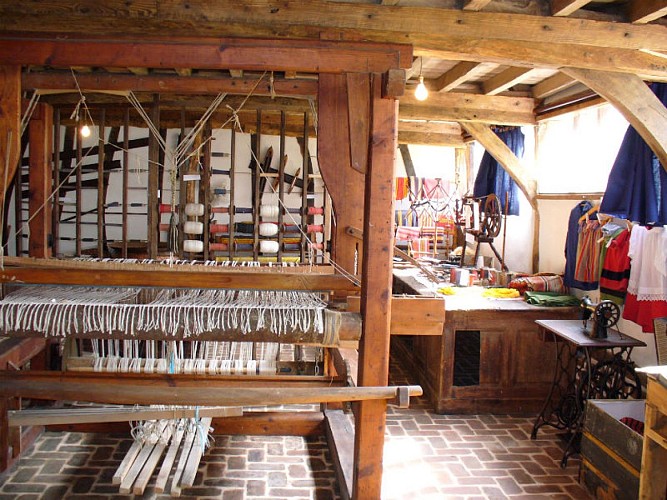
489, 358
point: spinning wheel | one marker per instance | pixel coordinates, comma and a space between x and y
492, 217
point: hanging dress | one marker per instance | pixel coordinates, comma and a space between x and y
571, 243
616, 269
647, 288
637, 185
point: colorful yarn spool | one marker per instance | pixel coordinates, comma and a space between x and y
269, 211
194, 209
193, 227
269, 246
268, 229
193, 246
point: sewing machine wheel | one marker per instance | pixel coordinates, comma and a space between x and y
492, 216
607, 313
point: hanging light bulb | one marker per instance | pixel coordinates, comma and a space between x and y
421, 92
85, 130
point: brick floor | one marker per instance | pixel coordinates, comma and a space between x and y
426, 456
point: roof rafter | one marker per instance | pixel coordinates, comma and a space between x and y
454, 77
552, 85
505, 80
475, 4
645, 11
566, 7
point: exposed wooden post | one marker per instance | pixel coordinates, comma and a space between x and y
376, 290
10, 124
39, 179
632, 97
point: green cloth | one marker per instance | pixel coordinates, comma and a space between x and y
550, 299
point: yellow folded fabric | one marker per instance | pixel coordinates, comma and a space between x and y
446, 290
501, 293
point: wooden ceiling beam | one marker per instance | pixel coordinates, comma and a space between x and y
504, 80
552, 85
454, 77
414, 69
634, 99
547, 55
433, 127
247, 54
475, 4
295, 18
512, 165
431, 139
645, 11
170, 84
566, 7
449, 106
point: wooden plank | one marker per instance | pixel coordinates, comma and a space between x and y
170, 390
101, 191
127, 462
414, 315
460, 107
55, 174
152, 460
15, 353
153, 186
79, 416
505, 80
178, 278
295, 87
630, 95
552, 85
308, 423
340, 436
10, 125
182, 461
344, 183
231, 53
41, 153
430, 139
451, 79
499, 150
376, 292
281, 187
567, 7
358, 108
196, 453
165, 468
645, 11
305, 164
125, 182
135, 469
407, 158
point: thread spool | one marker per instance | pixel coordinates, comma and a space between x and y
218, 228
194, 209
315, 211
244, 227
193, 246
269, 246
193, 227
218, 247
268, 229
269, 211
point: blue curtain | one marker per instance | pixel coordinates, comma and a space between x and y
637, 185
492, 178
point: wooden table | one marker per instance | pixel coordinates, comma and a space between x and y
653, 475
488, 359
573, 378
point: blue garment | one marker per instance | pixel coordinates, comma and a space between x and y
637, 185
492, 177
571, 247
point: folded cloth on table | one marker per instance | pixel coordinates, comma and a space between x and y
550, 299
539, 283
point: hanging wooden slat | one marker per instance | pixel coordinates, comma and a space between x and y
126, 180
100, 184
305, 164
232, 192
205, 188
153, 236
256, 187
281, 187
39, 179
55, 165
79, 192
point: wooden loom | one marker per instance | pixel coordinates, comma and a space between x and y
352, 97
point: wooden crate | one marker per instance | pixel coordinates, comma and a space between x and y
611, 452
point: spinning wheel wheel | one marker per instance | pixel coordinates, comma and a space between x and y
492, 217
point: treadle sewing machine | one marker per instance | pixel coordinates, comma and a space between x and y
604, 314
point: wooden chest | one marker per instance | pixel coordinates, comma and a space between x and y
611, 452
